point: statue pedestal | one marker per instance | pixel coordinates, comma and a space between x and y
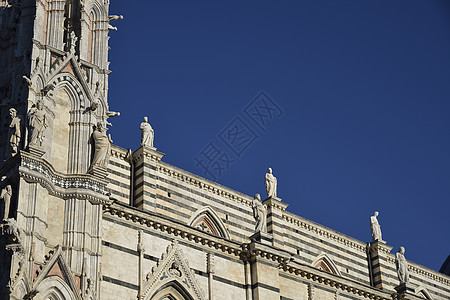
405, 288
99, 172
262, 237
379, 241
36, 151
273, 198
275, 211
149, 148
145, 172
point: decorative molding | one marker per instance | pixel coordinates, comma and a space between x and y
80, 186
204, 184
333, 281
325, 232
184, 232
325, 263
209, 218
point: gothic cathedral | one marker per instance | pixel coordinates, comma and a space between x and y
83, 218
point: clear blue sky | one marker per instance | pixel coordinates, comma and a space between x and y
364, 87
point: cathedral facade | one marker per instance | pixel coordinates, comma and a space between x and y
83, 218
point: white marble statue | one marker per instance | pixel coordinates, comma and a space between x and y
5, 195
102, 146
260, 214
37, 122
402, 266
147, 134
375, 227
73, 41
271, 184
14, 132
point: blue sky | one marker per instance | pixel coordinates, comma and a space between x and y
363, 87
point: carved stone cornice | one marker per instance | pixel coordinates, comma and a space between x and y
179, 230
255, 250
204, 184
118, 152
245, 252
148, 154
79, 186
325, 232
334, 281
275, 203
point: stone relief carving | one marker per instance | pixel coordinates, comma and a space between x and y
102, 143
260, 214
402, 266
147, 134
10, 230
14, 132
37, 122
73, 40
5, 195
271, 184
114, 18
375, 228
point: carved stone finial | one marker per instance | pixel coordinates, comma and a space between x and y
140, 245
210, 264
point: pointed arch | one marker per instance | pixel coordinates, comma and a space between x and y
97, 9
172, 291
21, 288
207, 220
55, 288
70, 98
423, 293
325, 263
97, 27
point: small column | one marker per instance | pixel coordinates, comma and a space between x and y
378, 252
141, 250
275, 209
145, 172
210, 269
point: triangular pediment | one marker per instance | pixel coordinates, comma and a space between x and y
56, 268
172, 271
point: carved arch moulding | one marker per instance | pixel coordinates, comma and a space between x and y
207, 220
325, 263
